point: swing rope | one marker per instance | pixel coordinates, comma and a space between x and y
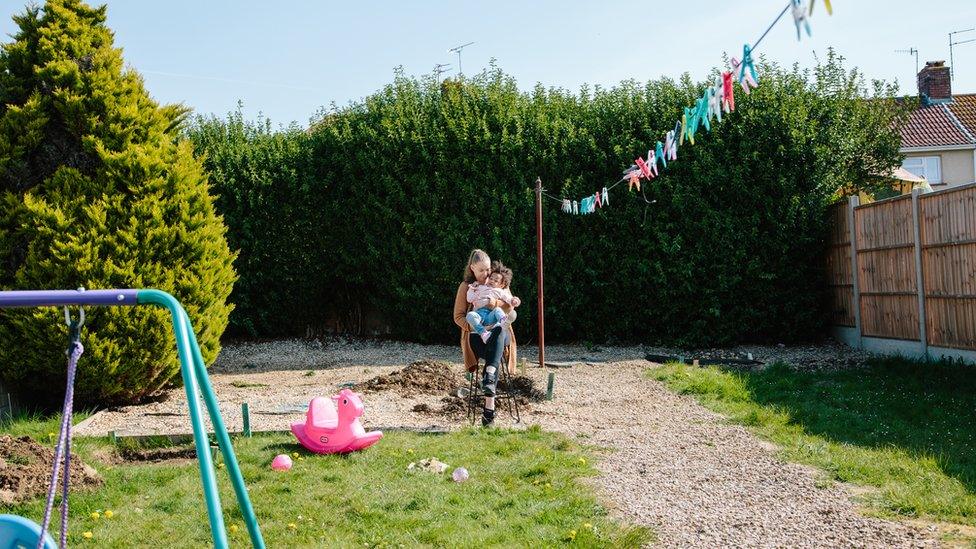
75, 349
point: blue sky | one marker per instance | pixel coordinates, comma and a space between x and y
287, 61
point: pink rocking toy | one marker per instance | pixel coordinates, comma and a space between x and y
332, 425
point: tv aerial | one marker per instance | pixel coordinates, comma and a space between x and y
457, 50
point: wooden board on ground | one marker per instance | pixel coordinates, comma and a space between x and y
552, 364
664, 359
186, 438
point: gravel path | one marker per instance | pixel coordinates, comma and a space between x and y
670, 464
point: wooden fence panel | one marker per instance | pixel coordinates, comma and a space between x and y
885, 241
838, 268
948, 234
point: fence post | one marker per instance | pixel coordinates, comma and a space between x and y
853, 202
246, 416
919, 275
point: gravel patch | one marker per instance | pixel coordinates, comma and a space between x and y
667, 462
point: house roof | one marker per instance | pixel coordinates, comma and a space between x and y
963, 106
902, 174
939, 125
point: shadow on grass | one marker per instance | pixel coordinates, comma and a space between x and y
923, 408
903, 427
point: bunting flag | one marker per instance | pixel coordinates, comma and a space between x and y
716, 101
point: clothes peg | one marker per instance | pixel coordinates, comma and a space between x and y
800, 16
598, 203
634, 181
830, 10
652, 161
683, 122
567, 206
715, 100
690, 125
670, 146
728, 92
746, 79
575, 208
659, 154
645, 170
701, 111
606, 197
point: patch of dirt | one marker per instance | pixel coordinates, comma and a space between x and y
25, 470
421, 377
157, 455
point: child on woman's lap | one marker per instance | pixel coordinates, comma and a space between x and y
482, 319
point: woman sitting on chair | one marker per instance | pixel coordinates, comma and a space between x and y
491, 348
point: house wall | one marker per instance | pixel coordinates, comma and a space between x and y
958, 167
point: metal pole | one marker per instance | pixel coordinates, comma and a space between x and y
246, 414
952, 64
541, 305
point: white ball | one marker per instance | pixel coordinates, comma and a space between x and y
460, 474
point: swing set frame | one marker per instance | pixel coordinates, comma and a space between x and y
195, 381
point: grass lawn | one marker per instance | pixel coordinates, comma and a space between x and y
905, 428
525, 489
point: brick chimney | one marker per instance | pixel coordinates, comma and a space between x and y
934, 84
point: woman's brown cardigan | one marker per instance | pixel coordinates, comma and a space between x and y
461, 308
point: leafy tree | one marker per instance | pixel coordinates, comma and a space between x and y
97, 191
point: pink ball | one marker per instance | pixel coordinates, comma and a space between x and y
281, 462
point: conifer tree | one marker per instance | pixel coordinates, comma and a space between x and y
97, 190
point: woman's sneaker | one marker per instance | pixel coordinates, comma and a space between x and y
487, 417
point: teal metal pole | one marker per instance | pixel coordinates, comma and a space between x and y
223, 439
207, 475
246, 416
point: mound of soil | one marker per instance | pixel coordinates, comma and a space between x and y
523, 387
422, 377
25, 470
453, 406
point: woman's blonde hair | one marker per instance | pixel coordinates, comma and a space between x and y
477, 256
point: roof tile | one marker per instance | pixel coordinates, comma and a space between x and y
933, 126
964, 107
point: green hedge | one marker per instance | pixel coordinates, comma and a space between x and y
377, 207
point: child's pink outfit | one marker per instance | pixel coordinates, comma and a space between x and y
482, 316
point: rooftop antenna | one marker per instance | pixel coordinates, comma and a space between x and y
911, 51
952, 65
441, 68
457, 50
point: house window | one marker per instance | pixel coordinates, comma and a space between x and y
929, 167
